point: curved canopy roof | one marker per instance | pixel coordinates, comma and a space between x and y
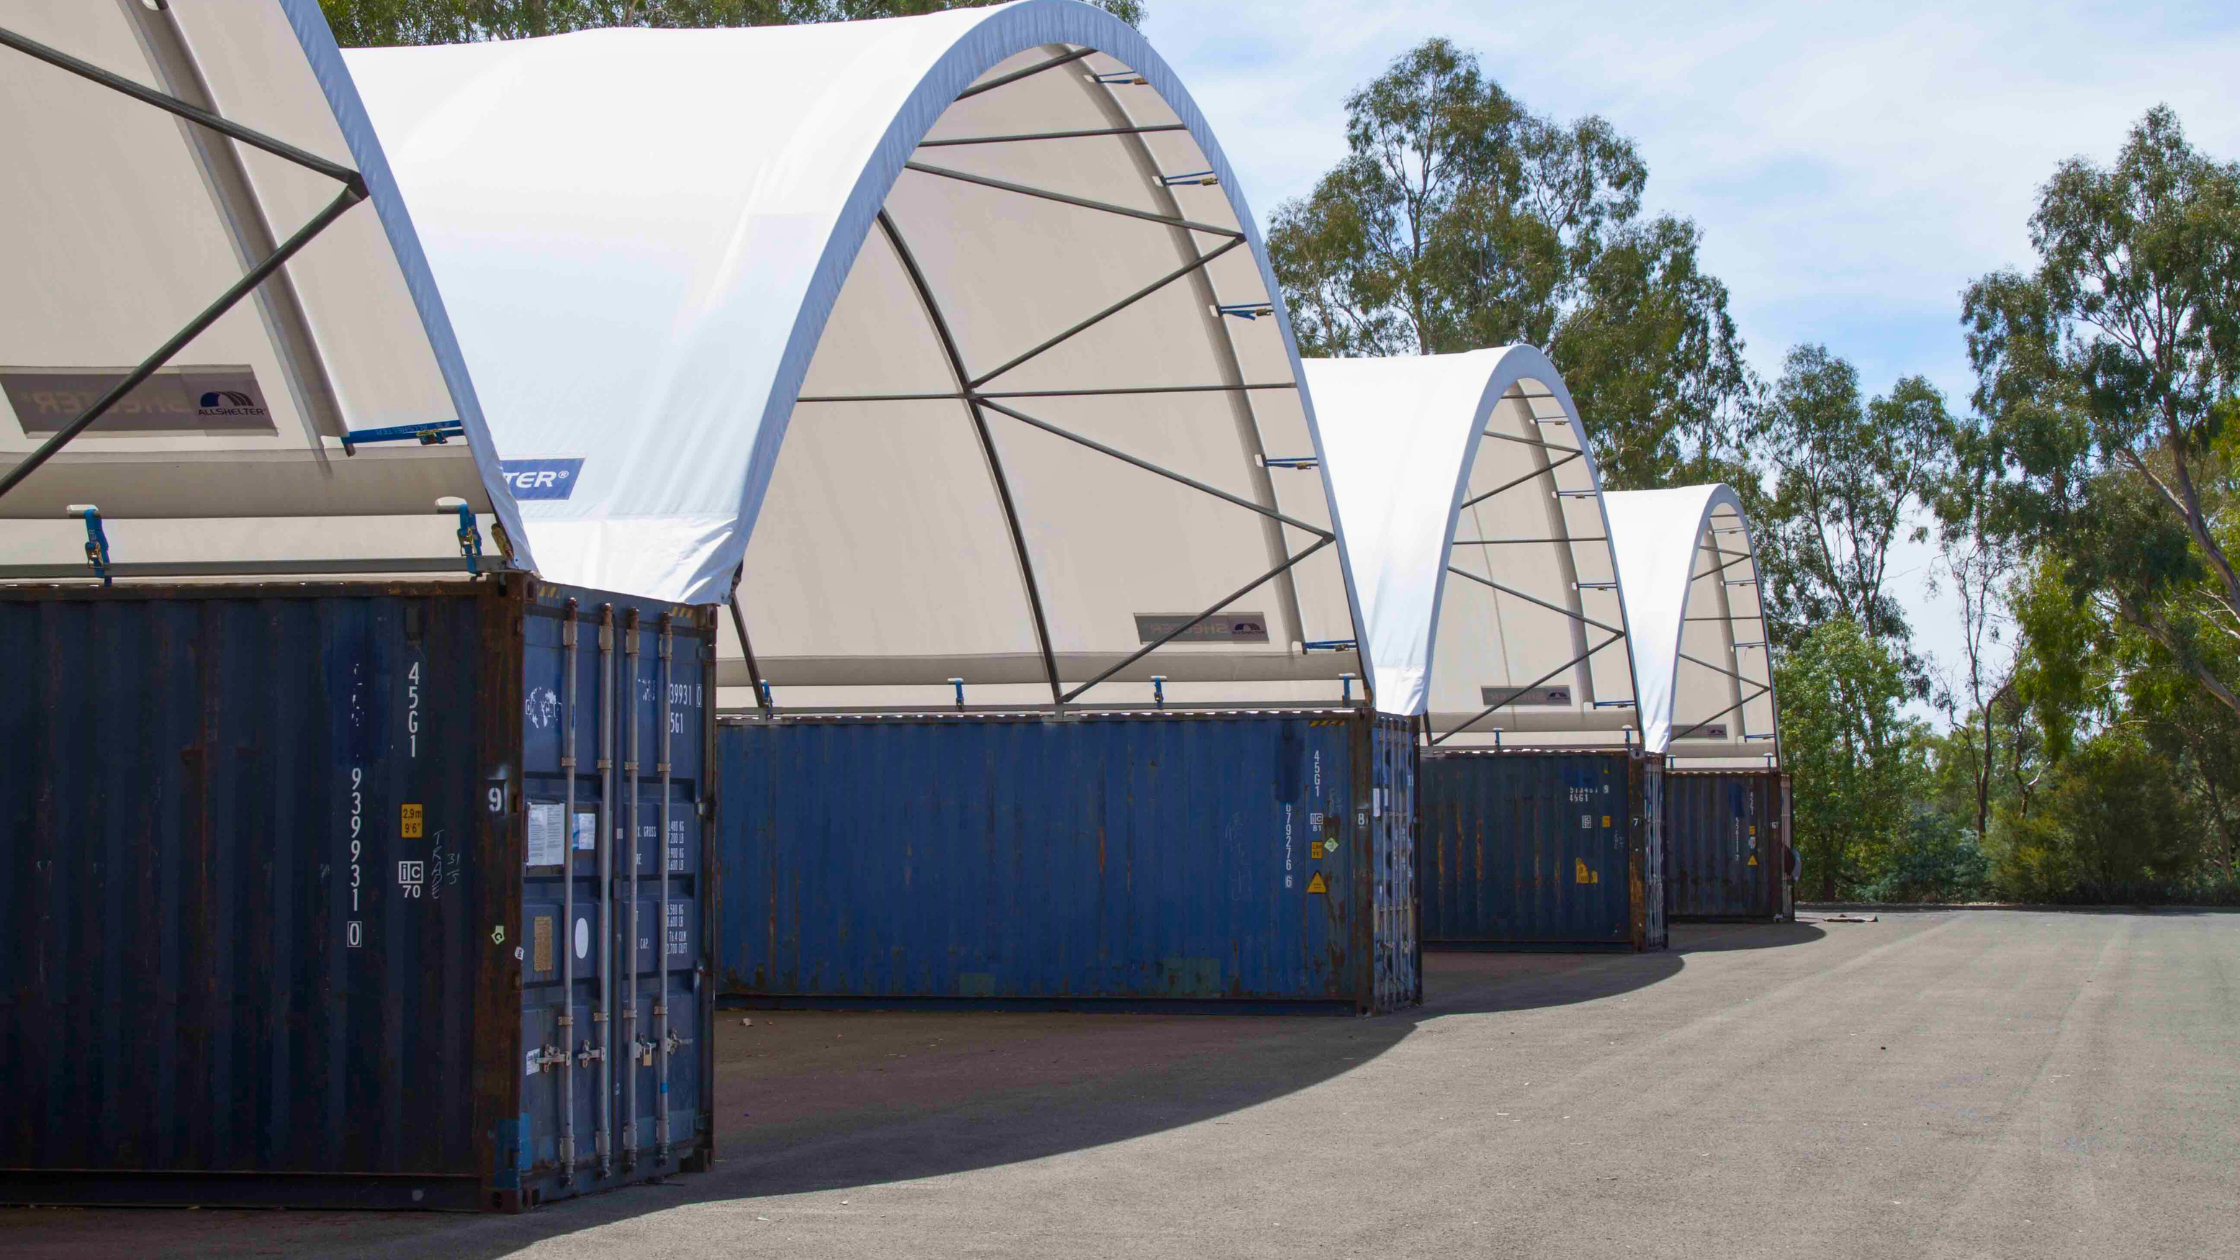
121, 222
1691, 587
962, 316
1474, 526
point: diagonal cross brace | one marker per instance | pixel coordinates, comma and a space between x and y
1150, 467
1762, 689
1226, 600
1534, 599
1068, 199
1514, 482
1162, 282
256, 275
1489, 710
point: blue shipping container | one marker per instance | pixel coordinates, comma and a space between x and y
1726, 836
1180, 860
296, 913
1542, 850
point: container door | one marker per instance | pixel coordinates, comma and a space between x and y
1397, 974
1649, 818
1528, 849
238, 832
568, 681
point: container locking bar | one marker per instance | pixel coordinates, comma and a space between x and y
568, 900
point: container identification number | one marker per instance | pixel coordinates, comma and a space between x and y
354, 934
412, 709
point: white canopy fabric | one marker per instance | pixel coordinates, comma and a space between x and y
1474, 526
961, 317
121, 222
1692, 600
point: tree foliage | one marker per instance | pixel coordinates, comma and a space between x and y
1460, 219
380, 23
1847, 477
2108, 376
1858, 763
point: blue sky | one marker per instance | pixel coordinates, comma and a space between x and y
1852, 166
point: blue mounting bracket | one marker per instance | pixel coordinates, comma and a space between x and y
1246, 310
1205, 179
1124, 78
1614, 704
1345, 688
470, 540
1159, 690
97, 545
1290, 461
958, 683
433, 434
1329, 645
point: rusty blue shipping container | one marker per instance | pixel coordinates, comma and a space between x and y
1208, 861
1727, 846
375, 895
1542, 850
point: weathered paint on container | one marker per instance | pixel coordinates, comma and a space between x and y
1177, 860
1727, 845
272, 934
1542, 850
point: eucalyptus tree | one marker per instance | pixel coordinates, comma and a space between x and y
2109, 375
1459, 219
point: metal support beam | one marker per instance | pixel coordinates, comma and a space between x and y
1169, 474
1534, 599
1062, 59
1546, 446
349, 197
1503, 542
1108, 312
192, 113
1514, 482
987, 449
762, 698
1067, 199
1054, 135
1226, 600
1115, 391
1490, 709
1762, 690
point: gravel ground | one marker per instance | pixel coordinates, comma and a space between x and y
2029, 1083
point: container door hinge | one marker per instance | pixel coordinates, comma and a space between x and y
587, 1053
675, 1043
546, 1058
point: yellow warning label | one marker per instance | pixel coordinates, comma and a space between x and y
1316, 885
1606, 820
1753, 859
1582, 874
411, 822
1314, 849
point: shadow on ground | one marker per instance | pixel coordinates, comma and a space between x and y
818, 1100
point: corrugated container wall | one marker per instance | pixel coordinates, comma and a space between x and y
288, 911
1727, 845
1542, 850
1191, 861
